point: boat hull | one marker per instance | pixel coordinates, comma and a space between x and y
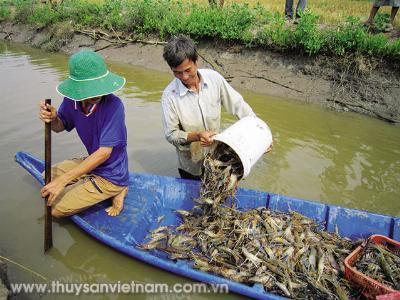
152, 196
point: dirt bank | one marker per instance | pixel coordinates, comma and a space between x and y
354, 83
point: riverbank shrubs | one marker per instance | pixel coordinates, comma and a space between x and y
5, 12
235, 23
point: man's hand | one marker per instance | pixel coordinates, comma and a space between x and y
45, 115
206, 138
53, 189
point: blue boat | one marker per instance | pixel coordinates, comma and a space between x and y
152, 196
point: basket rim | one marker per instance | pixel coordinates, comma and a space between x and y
350, 271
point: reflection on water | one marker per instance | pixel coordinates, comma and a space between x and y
337, 158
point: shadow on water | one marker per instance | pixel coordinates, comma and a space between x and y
338, 158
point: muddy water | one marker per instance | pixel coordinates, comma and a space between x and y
337, 158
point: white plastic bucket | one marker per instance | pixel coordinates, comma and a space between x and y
250, 137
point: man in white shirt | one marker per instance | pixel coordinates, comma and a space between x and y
191, 105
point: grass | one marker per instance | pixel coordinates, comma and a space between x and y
237, 22
329, 11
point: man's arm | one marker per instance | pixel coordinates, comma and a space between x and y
55, 187
175, 135
232, 101
47, 114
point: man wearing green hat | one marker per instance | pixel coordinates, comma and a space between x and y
99, 119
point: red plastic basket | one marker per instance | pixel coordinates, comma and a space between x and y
391, 296
372, 288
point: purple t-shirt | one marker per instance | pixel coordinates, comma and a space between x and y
104, 127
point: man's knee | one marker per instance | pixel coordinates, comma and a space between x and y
58, 214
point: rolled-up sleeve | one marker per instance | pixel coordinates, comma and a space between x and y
65, 115
172, 130
232, 101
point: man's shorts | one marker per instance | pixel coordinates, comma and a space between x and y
84, 191
393, 3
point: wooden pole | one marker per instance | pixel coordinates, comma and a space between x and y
48, 232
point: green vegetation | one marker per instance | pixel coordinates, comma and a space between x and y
5, 12
239, 23
330, 11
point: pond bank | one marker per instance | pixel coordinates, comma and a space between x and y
355, 83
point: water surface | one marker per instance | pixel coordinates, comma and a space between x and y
338, 158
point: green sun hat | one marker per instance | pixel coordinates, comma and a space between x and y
89, 77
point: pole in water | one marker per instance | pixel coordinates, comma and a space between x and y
48, 232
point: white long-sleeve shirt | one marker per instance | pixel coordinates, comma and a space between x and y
185, 111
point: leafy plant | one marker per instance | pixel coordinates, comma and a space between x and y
43, 16
23, 10
347, 37
381, 21
394, 49
277, 33
237, 22
308, 34
5, 13
375, 45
